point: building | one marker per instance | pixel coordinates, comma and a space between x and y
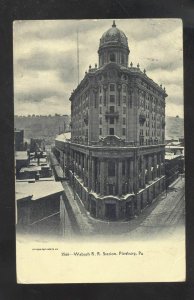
21, 161
115, 159
174, 166
174, 161
175, 149
40, 207
33, 163
19, 139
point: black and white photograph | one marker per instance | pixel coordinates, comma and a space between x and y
99, 150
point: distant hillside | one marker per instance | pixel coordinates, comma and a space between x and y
46, 127
174, 127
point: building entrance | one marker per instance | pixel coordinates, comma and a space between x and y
93, 208
129, 212
110, 211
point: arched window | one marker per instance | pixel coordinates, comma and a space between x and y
112, 57
122, 59
102, 59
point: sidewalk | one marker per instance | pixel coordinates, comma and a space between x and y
79, 219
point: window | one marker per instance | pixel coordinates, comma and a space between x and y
112, 87
111, 131
111, 168
100, 131
100, 121
112, 109
112, 120
124, 110
100, 110
102, 59
100, 100
123, 167
124, 99
110, 189
122, 59
124, 121
112, 57
123, 131
112, 98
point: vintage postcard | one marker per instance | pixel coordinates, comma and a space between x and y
99, 151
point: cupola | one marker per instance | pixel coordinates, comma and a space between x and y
113, 47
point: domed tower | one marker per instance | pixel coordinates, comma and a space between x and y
113, 47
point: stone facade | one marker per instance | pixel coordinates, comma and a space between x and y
115, 160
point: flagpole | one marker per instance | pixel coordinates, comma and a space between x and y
77, 56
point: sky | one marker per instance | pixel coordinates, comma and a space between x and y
45, 59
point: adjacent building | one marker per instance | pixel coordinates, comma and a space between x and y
19, 140
115, 158
40, 207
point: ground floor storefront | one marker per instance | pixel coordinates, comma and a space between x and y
115, 208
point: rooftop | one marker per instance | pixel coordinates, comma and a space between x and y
64, 136
114, 36
37, 190
21, 155
174, 147
170, 156
31, 169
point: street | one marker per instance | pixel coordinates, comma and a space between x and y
164, 217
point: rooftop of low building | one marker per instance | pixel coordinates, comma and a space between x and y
21, 155
37, 189
63, 136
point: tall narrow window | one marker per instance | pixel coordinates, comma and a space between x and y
112, 109
112, 120
111, 168
111, 131
123, 167
102, 59
112, 87
112, 57
112, 98
122, 59
123, 131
